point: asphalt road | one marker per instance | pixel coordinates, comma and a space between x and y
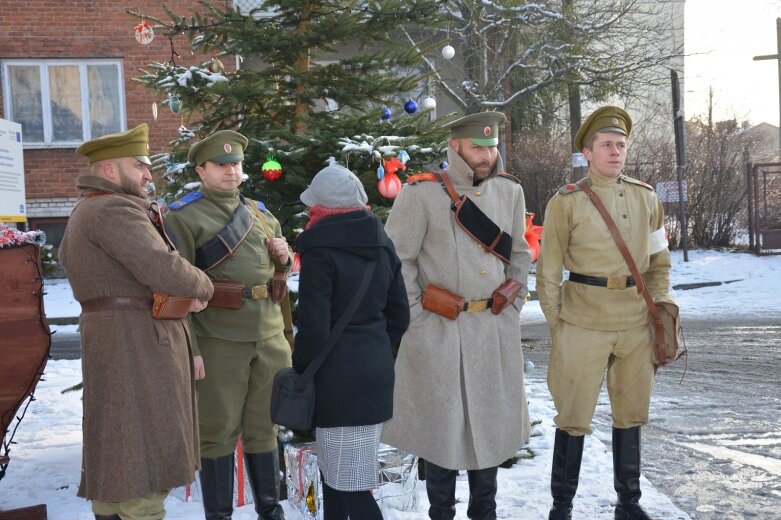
713, 444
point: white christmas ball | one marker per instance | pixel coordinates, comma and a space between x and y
448, 52
429, 103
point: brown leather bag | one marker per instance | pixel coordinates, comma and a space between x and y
505, 295
227, 294
166, 307
443, 302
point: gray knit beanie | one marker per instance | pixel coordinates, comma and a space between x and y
335, 187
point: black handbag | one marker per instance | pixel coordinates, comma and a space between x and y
293, 394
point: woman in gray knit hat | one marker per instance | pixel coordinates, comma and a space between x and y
354, 386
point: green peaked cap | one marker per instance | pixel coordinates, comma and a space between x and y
481, 128
222, 147
603, 119
132, 143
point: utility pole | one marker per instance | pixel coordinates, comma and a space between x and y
680, 156
776, 57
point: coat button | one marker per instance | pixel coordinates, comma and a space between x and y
623, 216
477, 194
482, 272
620, 194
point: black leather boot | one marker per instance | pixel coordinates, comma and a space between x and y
482, 494
441, 490
263, 472
217, 487
565, 471
626, 472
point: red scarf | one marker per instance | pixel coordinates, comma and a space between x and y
318, 213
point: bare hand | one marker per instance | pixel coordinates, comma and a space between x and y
200, 369
198, 305
278, 247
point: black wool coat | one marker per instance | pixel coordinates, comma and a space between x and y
354, 386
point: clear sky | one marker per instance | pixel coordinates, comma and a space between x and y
722, 37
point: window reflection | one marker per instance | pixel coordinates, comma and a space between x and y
65, 94
26, 101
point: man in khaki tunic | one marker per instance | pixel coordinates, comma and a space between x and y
140, 422
597, 319
459, 399
239, 348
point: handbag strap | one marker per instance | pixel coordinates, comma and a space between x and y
315, 364
640, 283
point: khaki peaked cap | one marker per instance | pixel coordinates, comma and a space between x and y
223, 146
132, 143
603, 119
481, 128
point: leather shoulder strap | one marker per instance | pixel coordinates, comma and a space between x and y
230, 237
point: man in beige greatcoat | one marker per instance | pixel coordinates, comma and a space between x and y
140, 423
459, 398
598, 321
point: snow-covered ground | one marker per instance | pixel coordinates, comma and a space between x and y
46, 460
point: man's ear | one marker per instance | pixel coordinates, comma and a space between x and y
452, 143
109, 170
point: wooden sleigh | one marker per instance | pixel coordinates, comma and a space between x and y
25, 340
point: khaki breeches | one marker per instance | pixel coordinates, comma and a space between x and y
149, 507
578, 361
234, 398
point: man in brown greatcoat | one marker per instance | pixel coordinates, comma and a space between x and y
140, 423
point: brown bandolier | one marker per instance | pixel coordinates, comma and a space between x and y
162, 306
492, 239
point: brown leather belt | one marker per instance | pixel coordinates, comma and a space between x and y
115, 303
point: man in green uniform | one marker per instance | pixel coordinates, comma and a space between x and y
239, 345
597, 319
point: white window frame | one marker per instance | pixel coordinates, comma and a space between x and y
43, 70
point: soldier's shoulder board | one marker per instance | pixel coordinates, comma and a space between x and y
187, 199
569, 188
261, 206
509, 176
630, 180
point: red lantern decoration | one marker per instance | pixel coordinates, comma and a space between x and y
533, 234
389, 186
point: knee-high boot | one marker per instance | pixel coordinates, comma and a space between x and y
482, 494
565, 472
217, 487
263, 472
626, 472
441, 490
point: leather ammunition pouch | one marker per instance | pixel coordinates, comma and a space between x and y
227, 294
443, 302
166, 307
505, 295
278, 286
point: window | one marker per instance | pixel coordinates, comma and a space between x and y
64, 102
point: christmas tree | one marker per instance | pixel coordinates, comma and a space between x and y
313, 81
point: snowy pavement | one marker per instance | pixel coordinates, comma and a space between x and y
46, 460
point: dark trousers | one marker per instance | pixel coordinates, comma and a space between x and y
357, 505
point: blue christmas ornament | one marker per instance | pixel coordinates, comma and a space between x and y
386, 113
443, 165
380, 172
410, 107
403, 156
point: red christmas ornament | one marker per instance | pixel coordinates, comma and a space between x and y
389, 186
272, 170
144, 33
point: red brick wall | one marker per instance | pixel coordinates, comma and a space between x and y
86, 29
